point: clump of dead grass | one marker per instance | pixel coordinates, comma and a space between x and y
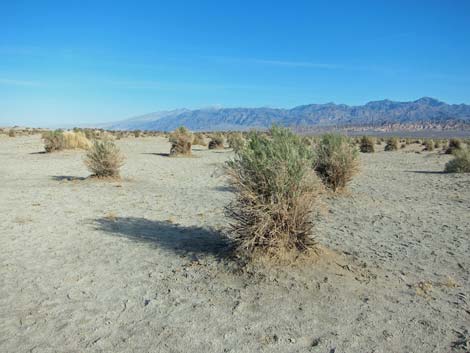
366, 144
276, 191
104, 159
460, 163
64, 140
336, 161
181, 142
392, 144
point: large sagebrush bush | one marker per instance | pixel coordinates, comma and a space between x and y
104, 159
366, 144
336, 161
276, 190
460, 163
181, 141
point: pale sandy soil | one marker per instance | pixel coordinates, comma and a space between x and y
140, 265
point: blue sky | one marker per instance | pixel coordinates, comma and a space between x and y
74, 62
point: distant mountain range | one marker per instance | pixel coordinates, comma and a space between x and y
421, 112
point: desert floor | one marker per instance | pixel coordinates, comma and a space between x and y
140, 265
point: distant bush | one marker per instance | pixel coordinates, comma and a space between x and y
392, 144
367, 144
460, 163
236, 141
199, 140
429, 145
11, 133
181, 140
276, 190
336, 161
454, 144
137, 133
217, 142
53, 140
104, 159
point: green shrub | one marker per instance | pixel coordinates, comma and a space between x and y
276, 191
181, 140
104, 159
460, 163
454, 144
367, 144
337, 161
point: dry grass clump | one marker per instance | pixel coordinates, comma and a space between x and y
392, 144
429, 145
181, 141
454, 144
460, 163
276, 191
76, 140
366, 144
236, 141
199, 140
11, 133
217, 142
59, 140
336, 161
104, 159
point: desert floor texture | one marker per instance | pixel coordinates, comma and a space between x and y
140, 265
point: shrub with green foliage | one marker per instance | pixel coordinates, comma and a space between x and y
367, 144
181, 141
392, 144
460, 163
336, 161
104, 159
454, 144
276, 190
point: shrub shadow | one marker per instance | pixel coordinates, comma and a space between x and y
40, 152
425, 172
186, 241
67, 178
225, 188
157, 154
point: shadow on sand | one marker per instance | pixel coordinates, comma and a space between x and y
426, 172
157, 154
67, 178
186, 241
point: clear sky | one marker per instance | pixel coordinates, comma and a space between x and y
83, 61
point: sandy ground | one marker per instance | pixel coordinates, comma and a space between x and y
140, 265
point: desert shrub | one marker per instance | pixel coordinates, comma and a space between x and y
276, 190
137, 133
429, 145
104, 159
367, 144
336, 161
181, 140
11, 133
199, 140
75, 140
236, 141
403, 145
454, 144
53, 140
217, 142
392, 144
58, 140
460, 163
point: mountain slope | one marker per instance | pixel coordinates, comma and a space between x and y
424, 110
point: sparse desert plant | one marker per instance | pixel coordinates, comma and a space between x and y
276, 190
403, 145
217, 142
199, 140
336, 161
53, 140
429, 145
392, 144
58, 140
460, 163
137, 133
367, 144
104, 159
236, 141
181, 141
76, 140
454, 144
11, 133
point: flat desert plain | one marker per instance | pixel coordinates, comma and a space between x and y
141, 264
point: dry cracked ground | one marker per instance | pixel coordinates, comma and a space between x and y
140, 265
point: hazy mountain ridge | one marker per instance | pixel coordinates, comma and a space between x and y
377, 113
